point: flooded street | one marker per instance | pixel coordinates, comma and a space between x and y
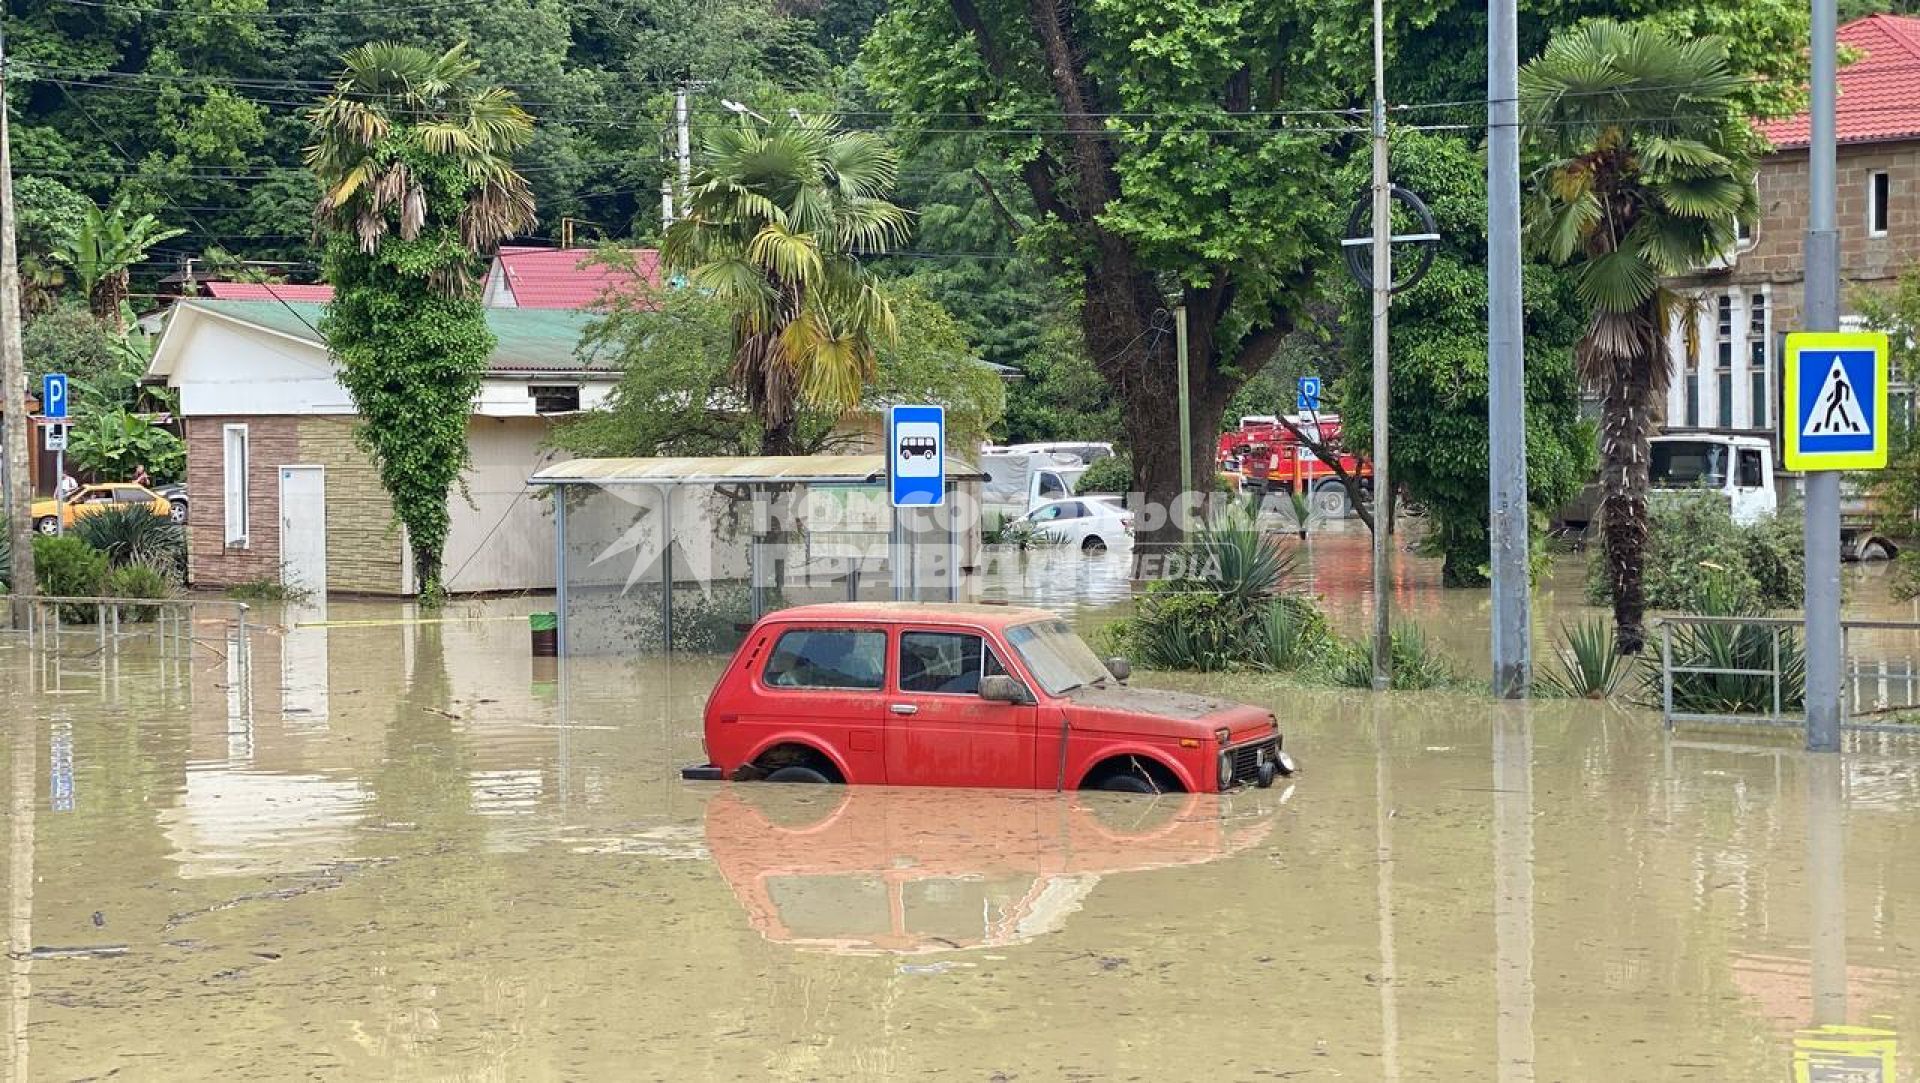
394, 849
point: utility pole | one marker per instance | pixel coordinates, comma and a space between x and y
1506, 363
683, 141
666, 205
1382, 302
13, 370
1186, 413
1822, 526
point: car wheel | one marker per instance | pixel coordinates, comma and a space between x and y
1126, 783
1093, 544
47, 524
797, 774
178, 512
1330, 500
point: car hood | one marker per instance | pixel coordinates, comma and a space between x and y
1153, 701
1120, 709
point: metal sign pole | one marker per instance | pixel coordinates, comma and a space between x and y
60, 490
1822, 526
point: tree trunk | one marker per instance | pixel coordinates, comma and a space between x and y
777, 436
427, 569
1628, 400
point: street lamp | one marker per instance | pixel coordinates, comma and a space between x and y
735, 107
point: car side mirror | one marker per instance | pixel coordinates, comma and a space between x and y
1120, 668
1000, 688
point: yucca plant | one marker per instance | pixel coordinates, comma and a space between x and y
133, 534
1732, 646
1237, 558
1417, 664
1290, 631
1585, 664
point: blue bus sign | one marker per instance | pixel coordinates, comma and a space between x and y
917, 456
53, 396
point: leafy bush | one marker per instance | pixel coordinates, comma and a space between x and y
66, 567
1587, 664
1113, 474
1694, 549
1417, 665
1236, 611
112, 444
139, 579
133, 534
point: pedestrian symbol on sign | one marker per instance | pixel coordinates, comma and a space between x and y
1836, 408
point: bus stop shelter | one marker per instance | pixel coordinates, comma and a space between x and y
665, 554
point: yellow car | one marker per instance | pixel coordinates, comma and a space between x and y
93, 499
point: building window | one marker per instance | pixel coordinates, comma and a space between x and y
234, 466
1759, 374
1878, 189
554, 400
1723, 361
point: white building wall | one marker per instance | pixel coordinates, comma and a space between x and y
501, 536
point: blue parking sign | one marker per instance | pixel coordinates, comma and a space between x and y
1307, 399
917, 455
53, 395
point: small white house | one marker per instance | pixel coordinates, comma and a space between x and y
280, 490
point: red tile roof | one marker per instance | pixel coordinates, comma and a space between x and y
1879, 91
556, 277
264, 291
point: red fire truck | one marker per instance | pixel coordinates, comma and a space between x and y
1268, 458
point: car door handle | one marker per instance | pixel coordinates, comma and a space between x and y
903, 708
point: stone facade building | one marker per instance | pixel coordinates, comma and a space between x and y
1726, 340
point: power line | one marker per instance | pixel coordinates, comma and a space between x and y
270, 16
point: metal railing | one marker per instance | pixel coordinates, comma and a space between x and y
1882, 674
1774, 674
173, 624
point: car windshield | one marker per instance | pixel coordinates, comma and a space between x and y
1688, 464
1056, 657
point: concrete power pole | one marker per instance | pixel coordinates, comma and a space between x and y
13, 371
1506, 363
1822, 526
683, 142
1382, 303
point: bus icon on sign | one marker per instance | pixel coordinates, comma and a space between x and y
925, 447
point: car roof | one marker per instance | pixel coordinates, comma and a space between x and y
998, 616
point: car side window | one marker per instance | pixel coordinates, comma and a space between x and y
1750, 473
97, 496
126, 494
1047, 514
949, 663
1051, 486
828, 658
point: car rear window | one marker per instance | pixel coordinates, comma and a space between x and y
828, 658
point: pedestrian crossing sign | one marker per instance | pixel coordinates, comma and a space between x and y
1836, 401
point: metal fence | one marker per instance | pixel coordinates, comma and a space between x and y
76, 626
1750, 671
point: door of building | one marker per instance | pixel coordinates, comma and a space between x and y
303, 528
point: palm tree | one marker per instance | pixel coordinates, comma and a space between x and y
437, 104
1642, 164
778, 218
107, 244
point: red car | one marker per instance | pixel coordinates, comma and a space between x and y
919, 694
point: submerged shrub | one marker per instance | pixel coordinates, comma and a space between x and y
1585, 663
1732, 646
1693, 546
133, 534
1417, 664
66, 567
139, 580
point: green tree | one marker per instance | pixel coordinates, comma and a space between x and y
1642, 162
1895, 491
676, 395
413, 154
1439, 367
780, 215
101, 250
1151, 143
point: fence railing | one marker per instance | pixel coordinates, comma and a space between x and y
1725, 675
64, 623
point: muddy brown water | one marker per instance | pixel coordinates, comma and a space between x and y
405, 850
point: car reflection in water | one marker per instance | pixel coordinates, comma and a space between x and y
871, 870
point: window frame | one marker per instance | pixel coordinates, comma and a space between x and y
237, 517
900, 662
541, 394
773, 652
1879, 195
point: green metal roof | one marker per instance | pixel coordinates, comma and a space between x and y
530, 339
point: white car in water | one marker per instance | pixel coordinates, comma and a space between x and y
1084, 522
